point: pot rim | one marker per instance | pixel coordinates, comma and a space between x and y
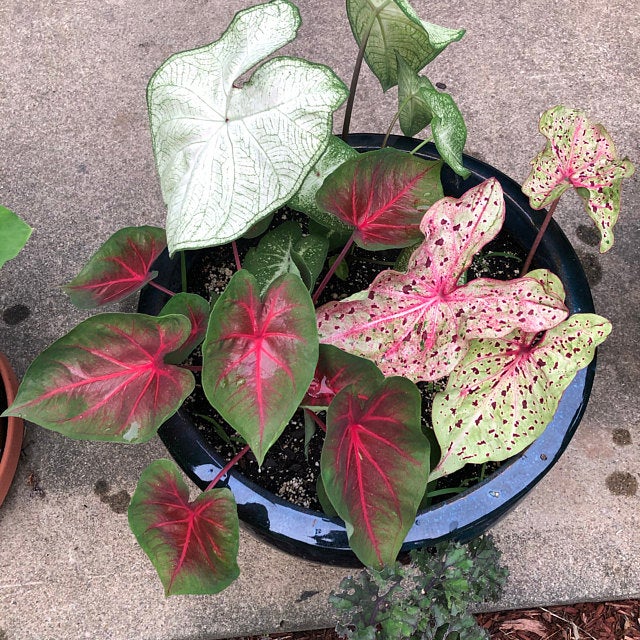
15, 430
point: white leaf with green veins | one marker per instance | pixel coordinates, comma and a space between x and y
394, 27
228, 156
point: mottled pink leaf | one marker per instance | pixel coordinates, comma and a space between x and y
196, 309
505, 392
374, 465
119, 268
578, 154
417, 324
192, 545
107, 379
259, 356
382, 194
337, 369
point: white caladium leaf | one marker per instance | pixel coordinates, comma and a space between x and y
417, 324
227, 156
578, 154
505, 392
392, 26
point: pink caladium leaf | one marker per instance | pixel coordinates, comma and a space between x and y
196, 309
337, 369
259, 356
119, 268
418, 324
107, 378
578, 154
374, 465
505, 392
382, 195
192, 545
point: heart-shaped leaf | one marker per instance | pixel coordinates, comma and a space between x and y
310, 252
228, 156
504, 393
382, 195
390, 27
418, 323
14, 234
259, 356
119, 268
374, 465
196, 309
192, 545
579, 154
107, 379
337, 369
420, 104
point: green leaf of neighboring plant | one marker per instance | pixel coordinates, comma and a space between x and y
229, 156
392, 26
119, 268
327, 508
259, 356
335, 154
14, 234
107, 379
311, 252
420, 104
196, 309
192, 545
505, 392
579, 154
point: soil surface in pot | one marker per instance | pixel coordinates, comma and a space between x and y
291, 467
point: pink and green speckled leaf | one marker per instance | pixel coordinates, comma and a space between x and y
417, 324
260, 355
119, 268
505, 392
578, 154
107, 379
337, 369
382, 195
374, 465
196, 309
192, 545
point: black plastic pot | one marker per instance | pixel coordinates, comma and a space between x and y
314, 536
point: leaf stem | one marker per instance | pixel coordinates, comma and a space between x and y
536, 242
332, 269
183, 270
227, 467
414, 151
192, 367
161, 288
389, 130
317, 419
236, 255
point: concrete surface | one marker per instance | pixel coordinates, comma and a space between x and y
76, 163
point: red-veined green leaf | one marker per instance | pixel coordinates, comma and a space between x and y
259, 356
192, 545
579, 154
417, 324
382, 194
107, 378
374, 465
119, 268
197, 309
504, 393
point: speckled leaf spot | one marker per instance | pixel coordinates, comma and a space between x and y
374, 465
227, 156
120, 268
192, 545
382, 196
107, 379
578, 154
196, 309
505, 392
392, 26
259, 356
417, 324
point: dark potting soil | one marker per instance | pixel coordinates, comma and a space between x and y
290, 470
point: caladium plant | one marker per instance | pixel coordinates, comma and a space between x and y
229, 155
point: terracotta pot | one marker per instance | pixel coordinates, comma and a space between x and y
11, 429
315, 536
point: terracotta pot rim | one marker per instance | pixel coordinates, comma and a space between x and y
15, 430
